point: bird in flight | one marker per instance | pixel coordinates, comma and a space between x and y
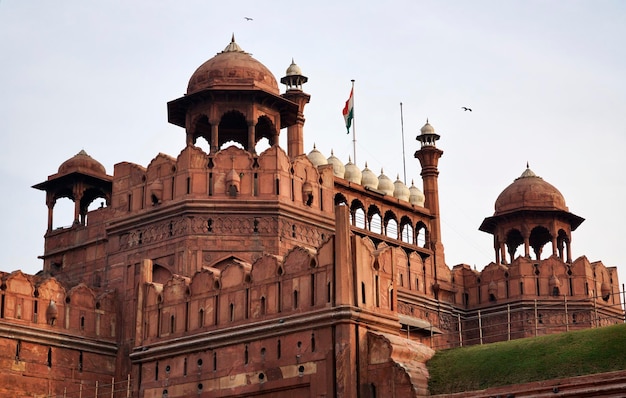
248, 19
466, 108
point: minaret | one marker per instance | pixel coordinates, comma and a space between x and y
295, 133
428, 156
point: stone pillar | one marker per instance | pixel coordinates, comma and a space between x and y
526, 246
568, 248
145, 276
502, 253
344, 275
78, 196
214, 137
50, 202
251, 137
189, 141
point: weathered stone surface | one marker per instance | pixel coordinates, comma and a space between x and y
234, 273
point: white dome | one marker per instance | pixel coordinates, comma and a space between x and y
427, 128
293, 69
316, 157
368, 178
416, 197
400, 190
338, 168
385, 184
352, 172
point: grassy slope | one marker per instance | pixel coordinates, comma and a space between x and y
525, 360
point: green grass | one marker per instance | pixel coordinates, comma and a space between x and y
525, 360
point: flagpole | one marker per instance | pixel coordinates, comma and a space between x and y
353, 125
403, 156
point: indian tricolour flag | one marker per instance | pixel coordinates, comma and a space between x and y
348, 111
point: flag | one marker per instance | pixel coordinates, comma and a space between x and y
348, 111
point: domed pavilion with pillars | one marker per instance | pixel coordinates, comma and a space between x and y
276, 274
234, 97
81, 179
552, 290
531, 212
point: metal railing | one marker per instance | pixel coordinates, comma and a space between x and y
529, 318
114, 389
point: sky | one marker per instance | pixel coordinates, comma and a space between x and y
546, 82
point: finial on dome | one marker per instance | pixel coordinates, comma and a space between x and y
527, 165
232, 46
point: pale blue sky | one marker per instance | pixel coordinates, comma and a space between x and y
545, 79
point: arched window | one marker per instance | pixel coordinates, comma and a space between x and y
358, 214
375, 220
539, 236
406, 230
420, 234
391, 225
514, 239
392, 229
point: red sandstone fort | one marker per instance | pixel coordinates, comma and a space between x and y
236, 273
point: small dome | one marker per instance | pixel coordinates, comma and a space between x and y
529, 192
416, 197
82, 162
338, 168
233, 68
368, 178
400, 190
352, 172
427, 128
293, 70
385, 184
316, 157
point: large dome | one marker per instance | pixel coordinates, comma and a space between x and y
232, 68
82, 162
529, 192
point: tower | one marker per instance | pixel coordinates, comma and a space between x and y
429, 155
295, 135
